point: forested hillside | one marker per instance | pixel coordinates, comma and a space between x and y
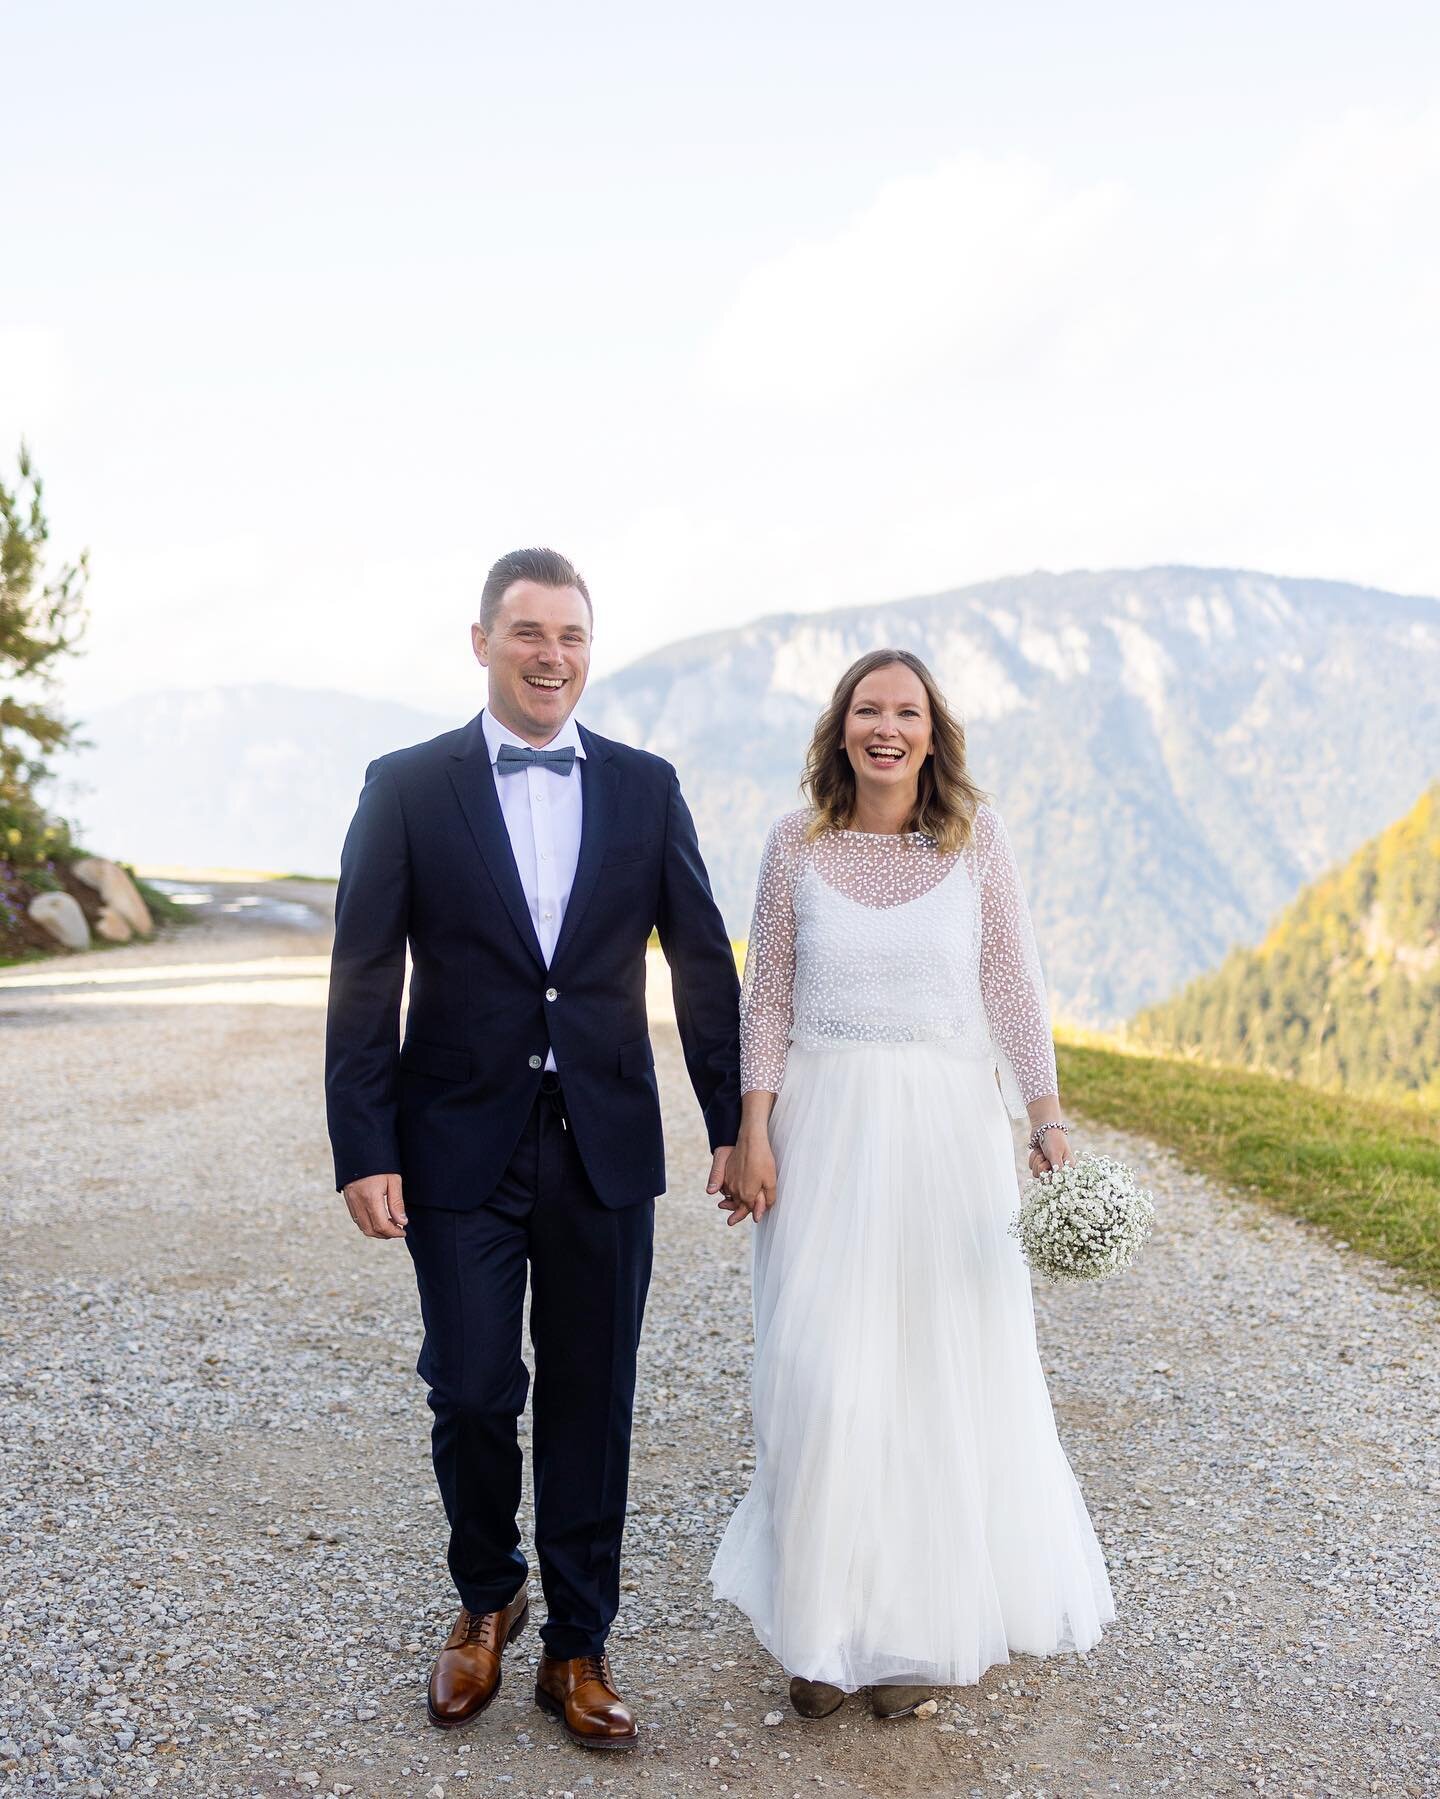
1344, 991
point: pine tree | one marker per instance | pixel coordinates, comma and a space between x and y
40, 620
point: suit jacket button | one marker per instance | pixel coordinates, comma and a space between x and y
535, 1061
552, 993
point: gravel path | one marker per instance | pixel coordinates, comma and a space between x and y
222, 1567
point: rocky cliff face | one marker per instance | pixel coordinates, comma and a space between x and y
1176, 751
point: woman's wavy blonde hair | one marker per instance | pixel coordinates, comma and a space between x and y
946, 801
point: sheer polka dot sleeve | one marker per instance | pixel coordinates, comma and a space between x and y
767, 993
1012, 985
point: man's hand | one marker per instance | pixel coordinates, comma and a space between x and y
377, 1206
717, 1168
737, 1209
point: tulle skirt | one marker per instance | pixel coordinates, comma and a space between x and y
913, 1518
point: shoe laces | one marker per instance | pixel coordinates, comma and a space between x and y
595, 1667
482, 1629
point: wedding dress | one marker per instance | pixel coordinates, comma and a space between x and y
913, 1518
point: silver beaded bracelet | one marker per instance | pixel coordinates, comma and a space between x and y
1037, 1136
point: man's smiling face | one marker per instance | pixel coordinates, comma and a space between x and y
537, 652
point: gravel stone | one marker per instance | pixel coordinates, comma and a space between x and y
223, 1550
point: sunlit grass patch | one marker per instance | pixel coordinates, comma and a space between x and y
1367, 1172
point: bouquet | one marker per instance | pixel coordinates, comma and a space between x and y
1084, 1220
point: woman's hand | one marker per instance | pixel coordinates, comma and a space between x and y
749, 1188
1056, 1153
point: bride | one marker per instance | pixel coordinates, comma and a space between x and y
913, 1518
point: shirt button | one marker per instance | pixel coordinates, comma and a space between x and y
535, 1061
548, 915
552, 993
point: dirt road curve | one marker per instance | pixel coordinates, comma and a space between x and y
221, 1545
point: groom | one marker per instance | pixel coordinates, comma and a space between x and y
524, 861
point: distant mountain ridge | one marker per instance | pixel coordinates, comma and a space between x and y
1176, 751
1344, 990
261, 776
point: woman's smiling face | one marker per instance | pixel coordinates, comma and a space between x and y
887, 730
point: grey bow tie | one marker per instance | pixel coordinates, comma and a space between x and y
512, 757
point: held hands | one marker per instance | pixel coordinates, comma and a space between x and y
749, 1177
377, 1205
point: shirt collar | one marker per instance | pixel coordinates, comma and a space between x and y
567, 737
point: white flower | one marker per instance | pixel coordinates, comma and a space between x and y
1083, 1221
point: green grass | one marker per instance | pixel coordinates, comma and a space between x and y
98, 947
25, 955
163, 909
1367, 1172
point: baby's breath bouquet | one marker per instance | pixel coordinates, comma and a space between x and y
1084, 1220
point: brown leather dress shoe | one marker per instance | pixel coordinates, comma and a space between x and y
466, 1675
582, 1695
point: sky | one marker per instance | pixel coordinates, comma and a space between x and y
307, 312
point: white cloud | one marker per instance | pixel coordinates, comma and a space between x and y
991, 368
991, 364
966, 264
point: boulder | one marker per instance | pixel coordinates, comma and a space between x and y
117, 890
60, 917
88, 869
112, 927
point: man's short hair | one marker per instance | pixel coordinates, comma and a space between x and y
547, 567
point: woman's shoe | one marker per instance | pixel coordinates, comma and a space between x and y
897, 1702
814, 1698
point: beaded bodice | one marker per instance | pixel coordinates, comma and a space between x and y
865, 938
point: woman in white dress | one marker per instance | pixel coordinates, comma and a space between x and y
913, 1518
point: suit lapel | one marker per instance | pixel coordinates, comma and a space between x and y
474, 782
598, 773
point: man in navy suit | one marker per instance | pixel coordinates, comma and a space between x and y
524, 861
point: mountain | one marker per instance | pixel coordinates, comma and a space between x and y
236, 777
1344, 991
1176, 751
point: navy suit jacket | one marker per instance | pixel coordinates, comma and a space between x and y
427, 861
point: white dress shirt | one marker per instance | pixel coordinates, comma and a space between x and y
542, 811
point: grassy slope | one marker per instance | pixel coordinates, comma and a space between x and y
1369, 1173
